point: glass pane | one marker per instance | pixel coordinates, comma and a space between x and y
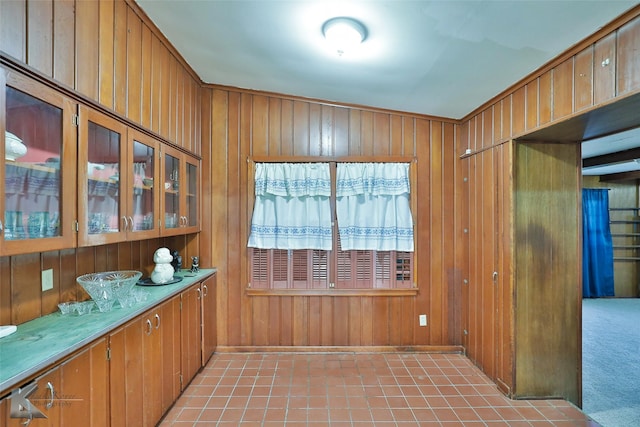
192, 195
143, 167
33, 191
103, 175
171, 192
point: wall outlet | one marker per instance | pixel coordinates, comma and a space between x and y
423, 319
47, 279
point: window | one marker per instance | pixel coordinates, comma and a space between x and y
379, 255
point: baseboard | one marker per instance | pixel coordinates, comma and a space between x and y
450, 349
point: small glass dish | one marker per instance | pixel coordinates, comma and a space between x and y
84, 307
67, 308
139, 295
105, 305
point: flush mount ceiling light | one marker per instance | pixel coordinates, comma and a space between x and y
343, 34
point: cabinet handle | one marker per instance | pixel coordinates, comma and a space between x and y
157, 316
199, 292
52, 393
149, 327
205, 290
124, 220
131, 222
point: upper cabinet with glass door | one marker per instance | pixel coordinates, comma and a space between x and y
118, 173
180, 200
102, 179
39, 192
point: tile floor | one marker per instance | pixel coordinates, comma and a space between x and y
356, 389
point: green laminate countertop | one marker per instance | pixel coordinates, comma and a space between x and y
42, 342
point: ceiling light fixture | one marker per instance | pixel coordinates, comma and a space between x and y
343, 34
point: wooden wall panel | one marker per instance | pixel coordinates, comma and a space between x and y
604, 69
548, 270
544, 98
13, 28
531, 95
628, 60
563, 89
518, 111
40, 41
583, 78
245, 124
63, 42
106, 54
87, 48
134, 66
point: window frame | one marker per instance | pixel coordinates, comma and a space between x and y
332, 255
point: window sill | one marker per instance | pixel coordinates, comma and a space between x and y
333, 292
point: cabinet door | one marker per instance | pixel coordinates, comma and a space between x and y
73, 393
209, 337
180, 201
171, 192
126, 377
101, 178
39, 148
191, 214
170, 351
191, 333
142, 195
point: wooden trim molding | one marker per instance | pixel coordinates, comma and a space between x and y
448, 349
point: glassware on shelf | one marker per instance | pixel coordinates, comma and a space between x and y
13, 225
37, 224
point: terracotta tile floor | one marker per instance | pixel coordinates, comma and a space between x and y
356, 389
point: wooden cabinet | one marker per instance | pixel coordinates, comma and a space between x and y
96, 183
191, 335
118, 171
209, 337
180, 199
71, 394
145, 366
101, 158
38, 172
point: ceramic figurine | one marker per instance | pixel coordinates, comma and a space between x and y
163, 271
195, 264
177, 261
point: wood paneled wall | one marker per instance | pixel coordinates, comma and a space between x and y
110, 52
596, 72
21, 295
241, 124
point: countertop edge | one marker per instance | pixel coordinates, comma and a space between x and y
8, 384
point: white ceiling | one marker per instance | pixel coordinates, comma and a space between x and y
442, 58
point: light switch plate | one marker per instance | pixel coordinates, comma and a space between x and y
47, 279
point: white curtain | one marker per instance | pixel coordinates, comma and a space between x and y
372, 204
292, 208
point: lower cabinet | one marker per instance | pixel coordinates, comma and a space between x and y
209, 334
131, 376
191, 336
145, 366
69, 395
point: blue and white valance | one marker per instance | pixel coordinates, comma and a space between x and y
292, 208
372, 205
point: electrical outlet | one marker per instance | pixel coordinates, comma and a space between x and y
47, 279
423, 319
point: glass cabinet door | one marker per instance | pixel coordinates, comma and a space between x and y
142, 195
101, 158
39, 164
180, 193
171, 191
191, 213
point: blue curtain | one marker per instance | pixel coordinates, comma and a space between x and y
597, 248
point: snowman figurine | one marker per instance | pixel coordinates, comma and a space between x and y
163, 271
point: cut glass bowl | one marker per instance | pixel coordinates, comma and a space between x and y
105, 288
